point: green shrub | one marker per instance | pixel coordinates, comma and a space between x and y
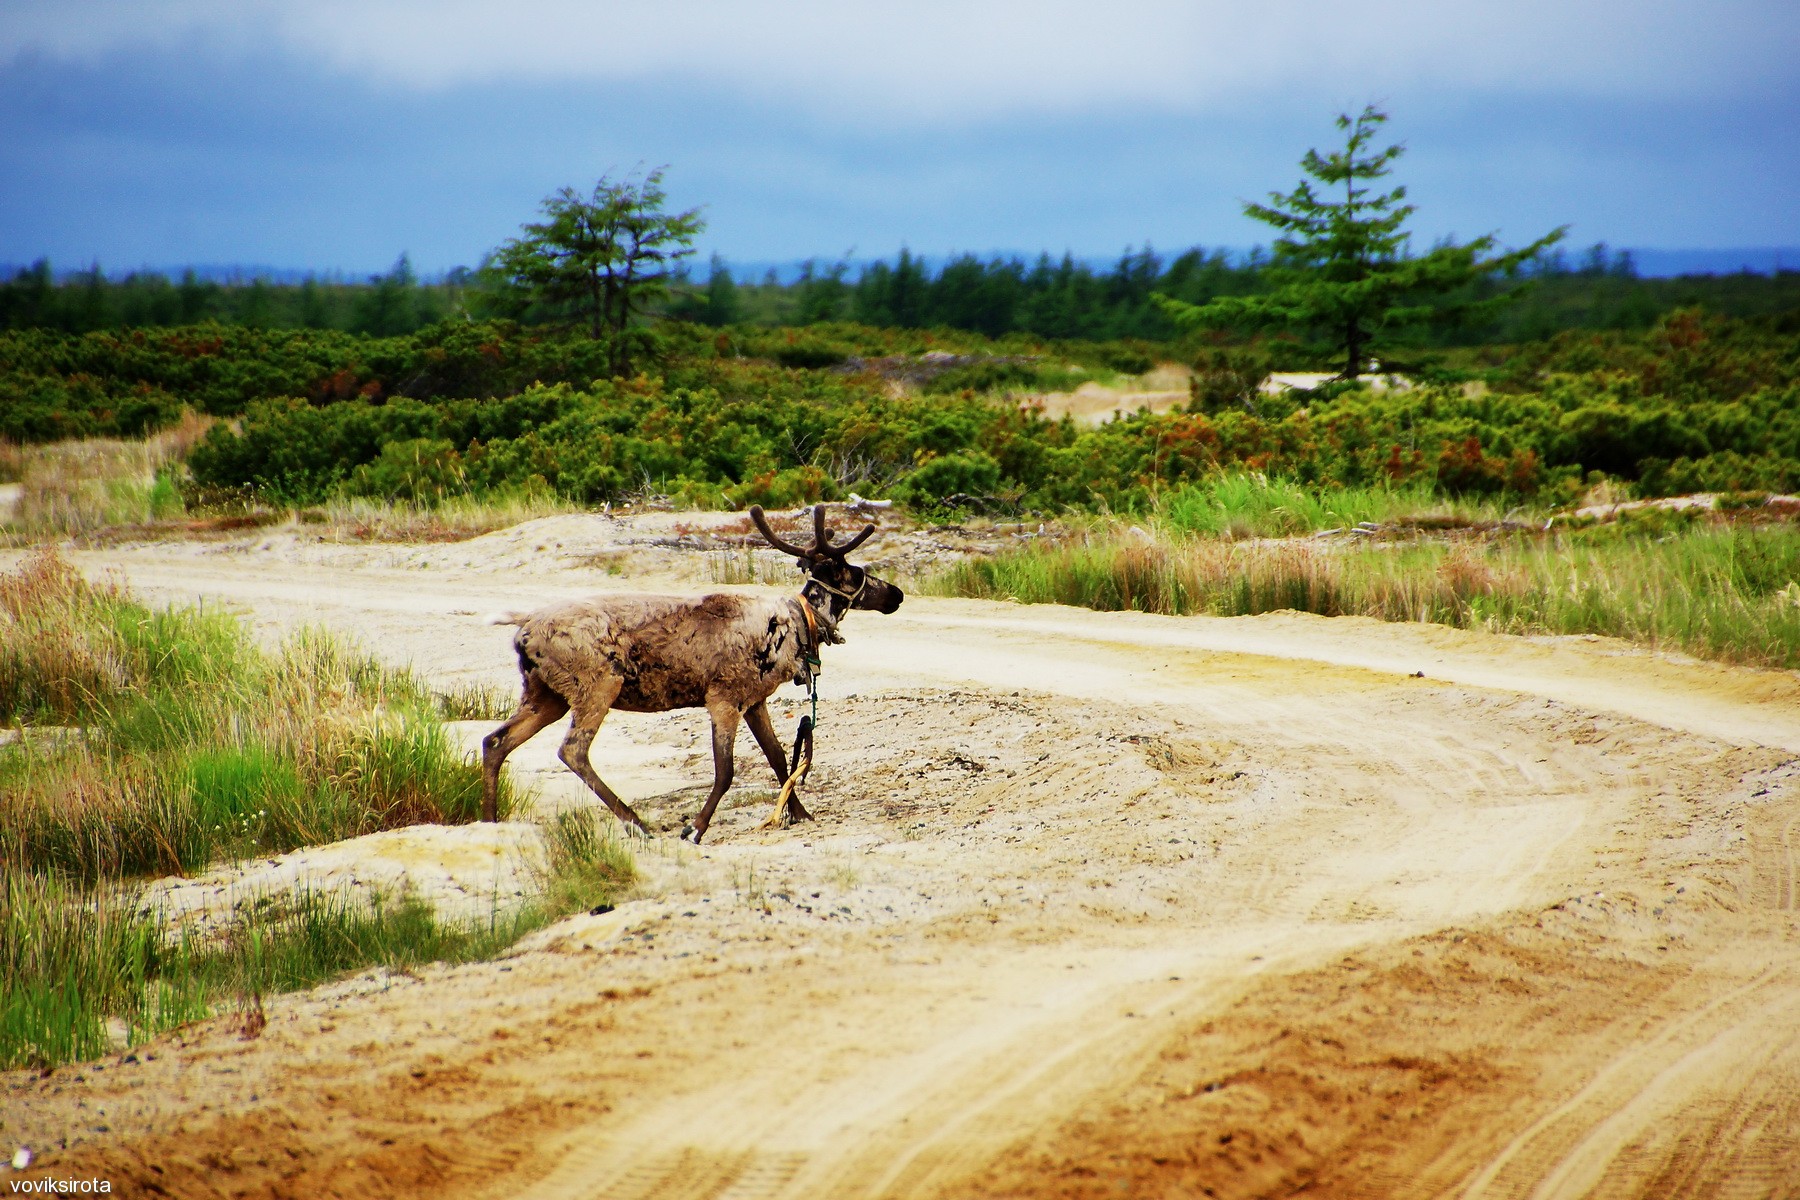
804, 351
417, 470
937, 479
788, 488
987, 376
458, 409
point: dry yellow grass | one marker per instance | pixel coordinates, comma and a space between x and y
74, 487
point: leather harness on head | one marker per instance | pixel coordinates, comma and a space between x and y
852, 597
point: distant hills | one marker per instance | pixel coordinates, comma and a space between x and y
1759, 261
1647, 263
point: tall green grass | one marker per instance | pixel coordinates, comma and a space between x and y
473, 700
173, 740
160, 740
584, 864
1730, 593
70, 962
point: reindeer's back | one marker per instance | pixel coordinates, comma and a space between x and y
667, 651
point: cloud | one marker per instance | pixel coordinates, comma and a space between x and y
920, 62
325, 135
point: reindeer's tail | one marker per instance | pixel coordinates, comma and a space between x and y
506, 618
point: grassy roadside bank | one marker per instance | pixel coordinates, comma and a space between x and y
86, 971
111, 488
1703, 586
152, 742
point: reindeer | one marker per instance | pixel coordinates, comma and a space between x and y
724, 653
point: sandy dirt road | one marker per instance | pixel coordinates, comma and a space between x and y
1096, 905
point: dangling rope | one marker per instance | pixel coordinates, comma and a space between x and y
798, 768
800, 764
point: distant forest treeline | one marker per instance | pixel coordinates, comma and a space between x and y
1049, 298
387, 305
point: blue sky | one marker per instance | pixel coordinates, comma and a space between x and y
336, 134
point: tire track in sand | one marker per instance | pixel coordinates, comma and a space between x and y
1613, 1136
904, 1121
932, 1104
1775, 859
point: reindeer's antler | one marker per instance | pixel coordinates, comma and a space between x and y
854, 542
762, 524
822, 539
821, 547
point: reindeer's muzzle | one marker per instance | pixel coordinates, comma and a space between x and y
888, 598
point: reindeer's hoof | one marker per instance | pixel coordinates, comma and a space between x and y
690, 834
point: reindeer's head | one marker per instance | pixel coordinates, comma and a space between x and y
843, 584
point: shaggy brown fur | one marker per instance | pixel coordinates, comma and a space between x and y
724, 653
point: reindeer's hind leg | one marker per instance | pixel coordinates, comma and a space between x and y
538, 707
591, 707
763, 729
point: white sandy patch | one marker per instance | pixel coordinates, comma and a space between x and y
465, 872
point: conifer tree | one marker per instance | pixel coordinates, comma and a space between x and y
723, 306
1342, 267
598, 260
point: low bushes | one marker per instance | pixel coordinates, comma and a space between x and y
715, 430
127, 383
743, 415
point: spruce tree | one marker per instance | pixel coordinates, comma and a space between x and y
599, 260
723, 305
1342, 267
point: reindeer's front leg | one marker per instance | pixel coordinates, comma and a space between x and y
725, 719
